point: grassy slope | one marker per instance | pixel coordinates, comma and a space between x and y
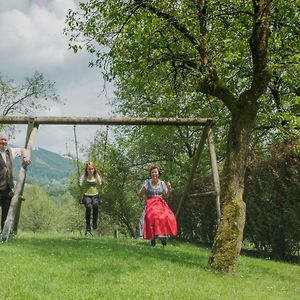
77, 267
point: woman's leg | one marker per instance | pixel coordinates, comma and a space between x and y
153, 242
95, 204
87, 201
163, 240
141, 223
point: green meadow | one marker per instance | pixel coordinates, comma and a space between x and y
44, 266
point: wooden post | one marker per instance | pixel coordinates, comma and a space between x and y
19, 203
8, 226
215, 173
194, 167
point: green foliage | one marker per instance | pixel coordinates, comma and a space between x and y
272, 197
278, 119
39, 214
42, 213
198, 219
160, 54
71, 217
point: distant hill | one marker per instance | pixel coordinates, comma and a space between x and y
46, 168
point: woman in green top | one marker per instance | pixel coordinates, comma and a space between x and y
90, 184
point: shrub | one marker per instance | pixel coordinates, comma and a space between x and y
272, 190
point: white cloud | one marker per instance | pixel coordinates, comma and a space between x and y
21, 4
32, 39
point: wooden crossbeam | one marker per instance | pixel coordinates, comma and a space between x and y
52, 120
204, 194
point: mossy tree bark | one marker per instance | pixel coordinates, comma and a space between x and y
228, 241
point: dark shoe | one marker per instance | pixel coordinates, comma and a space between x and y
153, 243
95, 226
88, 227
164, 241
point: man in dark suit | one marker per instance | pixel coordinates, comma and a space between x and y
7, 156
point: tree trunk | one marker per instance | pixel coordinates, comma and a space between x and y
228, 241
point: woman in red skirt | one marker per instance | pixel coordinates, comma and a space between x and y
157, 219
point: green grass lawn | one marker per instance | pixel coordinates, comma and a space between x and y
43, 266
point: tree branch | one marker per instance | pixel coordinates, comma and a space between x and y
7, 110
259, 46
174, 22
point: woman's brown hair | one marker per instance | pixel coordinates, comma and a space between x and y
152, 168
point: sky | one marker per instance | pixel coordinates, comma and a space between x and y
32, 40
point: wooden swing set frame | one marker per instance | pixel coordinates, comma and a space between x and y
33, 123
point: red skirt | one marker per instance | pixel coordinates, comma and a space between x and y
159, 219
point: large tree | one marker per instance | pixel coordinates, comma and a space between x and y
159, 51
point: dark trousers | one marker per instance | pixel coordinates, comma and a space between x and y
91, 204
5, 199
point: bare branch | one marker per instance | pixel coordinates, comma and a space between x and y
10, 107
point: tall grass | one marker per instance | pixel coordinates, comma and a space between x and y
43, 266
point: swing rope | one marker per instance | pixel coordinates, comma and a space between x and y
105, 146
76, 149
78, 171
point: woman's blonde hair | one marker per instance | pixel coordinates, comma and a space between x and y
90, 164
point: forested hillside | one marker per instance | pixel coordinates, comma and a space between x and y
46, 168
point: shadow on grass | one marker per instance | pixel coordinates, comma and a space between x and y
263, 255
67, 248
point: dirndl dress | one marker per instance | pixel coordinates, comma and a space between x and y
157, 218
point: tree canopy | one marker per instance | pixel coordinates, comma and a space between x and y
236, 61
